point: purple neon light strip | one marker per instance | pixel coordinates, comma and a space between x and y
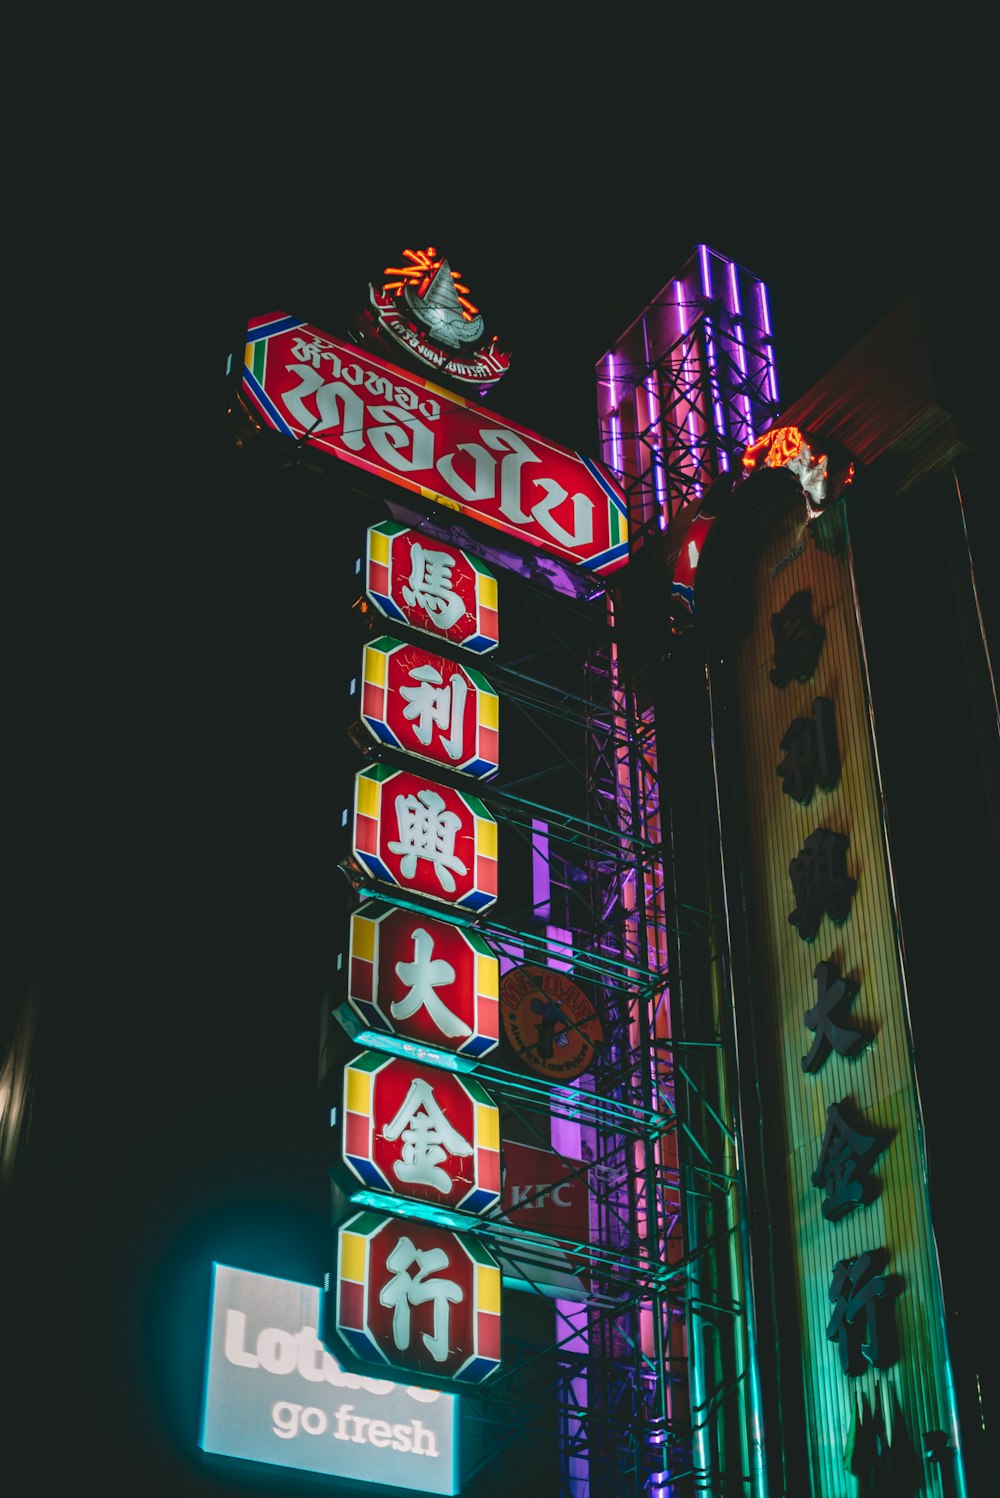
741, 356
616, 446
654, 416
706, 286
765, 317
689, 423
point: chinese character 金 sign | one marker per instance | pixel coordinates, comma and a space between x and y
416, 1297
431, 587
848, 1152
424, 979
430, 707
420, 1132
365, 412
425, 838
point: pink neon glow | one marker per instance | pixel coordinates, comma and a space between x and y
654, 417
706, 286
765, 317
741, 356
616, 445
689, 421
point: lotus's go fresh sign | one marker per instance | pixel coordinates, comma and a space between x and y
275, 1394
346, 402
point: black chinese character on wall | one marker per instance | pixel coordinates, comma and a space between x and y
860, 1323
834, 996
820, 882
811, 756
847, 1155
798, 640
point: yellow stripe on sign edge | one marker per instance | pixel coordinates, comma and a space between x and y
352, 1257
487, 1289
378, 547
486, 838
373, 666
489, 710
487, 976
487, 1126
358, 1092
362, 938
487, 591
368, 795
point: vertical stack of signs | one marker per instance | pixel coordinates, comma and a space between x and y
418, 1135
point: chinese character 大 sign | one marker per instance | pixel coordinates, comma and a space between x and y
424, 979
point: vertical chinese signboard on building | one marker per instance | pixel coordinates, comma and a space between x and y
829, 1013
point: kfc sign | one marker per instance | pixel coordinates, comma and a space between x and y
542, 1192
353, 406
420, 1132
418, 1298
423, 979
432, 587
426, 705
425, 838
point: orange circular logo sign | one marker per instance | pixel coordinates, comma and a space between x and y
549, 1021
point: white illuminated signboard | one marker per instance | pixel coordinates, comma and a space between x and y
273, 1393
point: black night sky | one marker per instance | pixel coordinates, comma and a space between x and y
178, 759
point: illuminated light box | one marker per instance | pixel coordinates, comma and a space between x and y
426, 838
419, 1132
423, 979
357, 408
543, 1192
275, 1394
432, 587
429, 706
417, 1298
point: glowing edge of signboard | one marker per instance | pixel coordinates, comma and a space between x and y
396, 1045
224, 1458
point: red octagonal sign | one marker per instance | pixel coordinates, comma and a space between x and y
417, 1297
424, 979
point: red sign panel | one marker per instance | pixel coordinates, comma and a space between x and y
426, 705
425, 837
544, 1193
423, 979
417, 1297
335, 397
420, 1132
431, 586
